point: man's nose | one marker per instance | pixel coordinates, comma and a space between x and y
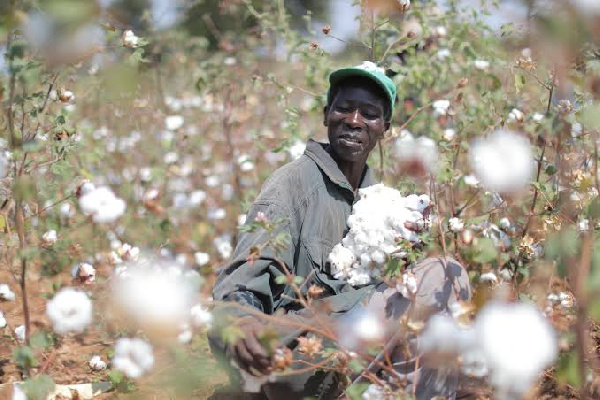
353, 119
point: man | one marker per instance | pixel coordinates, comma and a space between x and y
313, 196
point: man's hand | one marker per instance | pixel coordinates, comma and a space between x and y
248, 351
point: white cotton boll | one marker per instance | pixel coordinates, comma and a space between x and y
196, 198
502, 161
96, 363
488, 277
498, 236
408, 287
153, 296
378, 257
368, 327
449, 134
18, 393
471, 180
442, 335
515, 115
537, 118
186, 334
227, 191
20, 332
505, 274
201, 258
49, 238
365, 260
576, 129
358, 276
341, 258
441, 107
130, 39
200, 317
170, 157
102, 204
69, 310
5, 293
133, 357
443, 54
505, 223
421, 150
216, 213
174, 122
473, 363
223, 246
584, 225
517, 343
456, 224
3, 322
65, 211
481, 65
84, 273
245, 163
297, 149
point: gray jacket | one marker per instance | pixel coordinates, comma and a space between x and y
315, 198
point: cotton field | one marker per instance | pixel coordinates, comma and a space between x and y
138, 153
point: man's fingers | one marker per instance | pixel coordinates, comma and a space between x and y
261, 359
413, 226
243, 358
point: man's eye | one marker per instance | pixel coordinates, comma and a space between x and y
342, 109
370, 115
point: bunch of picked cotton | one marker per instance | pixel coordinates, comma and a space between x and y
377, 227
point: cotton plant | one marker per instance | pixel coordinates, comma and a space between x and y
377, 225
510, 343
154, 293
133, 357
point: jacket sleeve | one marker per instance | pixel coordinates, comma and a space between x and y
253, 282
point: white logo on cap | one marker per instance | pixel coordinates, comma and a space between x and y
371, 66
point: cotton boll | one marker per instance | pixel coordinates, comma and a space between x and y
5, 293
20, 332
154, 297
69, 310
378, 257
488, 277
515, 115
186, 334
133, 357
174, 122
456, 224
502, 161
418, 156
201, 258
97, 364
517, 343
443, 336
3, 322
297, 149
341, 258
200, 317
102, 204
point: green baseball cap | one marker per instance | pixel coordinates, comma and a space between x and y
369, 70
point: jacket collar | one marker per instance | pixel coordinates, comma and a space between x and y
319, 153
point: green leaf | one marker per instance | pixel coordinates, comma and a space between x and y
25, 358
568, 369
519, 82
356, 390
485, 251
590, 116
39, 388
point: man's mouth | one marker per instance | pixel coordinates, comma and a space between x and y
347, 138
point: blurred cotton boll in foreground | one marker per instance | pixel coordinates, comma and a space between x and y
517, 343
102, 204
360, 328
416, 156
5, 293
155, 295
502, 161
69, 310
174, 122
297, 149
133, 357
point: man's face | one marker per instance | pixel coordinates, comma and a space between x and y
355, 121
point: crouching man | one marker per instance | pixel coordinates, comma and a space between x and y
313, 197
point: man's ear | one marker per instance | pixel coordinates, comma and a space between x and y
325, 112
387, 126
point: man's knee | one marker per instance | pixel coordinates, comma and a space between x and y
441, 282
